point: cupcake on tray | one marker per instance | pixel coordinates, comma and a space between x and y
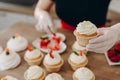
17, 43
1, 49
54, 76
83, 74
33, 56
8, 78
77, 60
84, 32
76, 47
34, 73
53, 62
9, 60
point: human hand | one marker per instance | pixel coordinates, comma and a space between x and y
108, 37
45, 22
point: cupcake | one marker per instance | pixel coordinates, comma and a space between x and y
76, 47
83, 74
33, 56
54, 76
53, 62
1, 49
84, 32
9, 60
8, 78
77, 60
34, 73
17, 43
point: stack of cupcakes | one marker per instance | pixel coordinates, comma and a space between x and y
84, 32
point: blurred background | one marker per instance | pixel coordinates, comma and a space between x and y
12, 11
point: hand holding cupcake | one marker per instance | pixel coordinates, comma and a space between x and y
84, 32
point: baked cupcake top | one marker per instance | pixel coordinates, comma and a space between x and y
77, 57
54, 76
86, 27
7, 55
8, 78
33, 53
83, 74
33, 72
52, 58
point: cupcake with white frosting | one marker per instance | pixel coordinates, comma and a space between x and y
84, 32
8, 78
9, 60
83, 74
76, 47
17, 43
1, 49
53, 62
77, 60
34, 73
33, 56
54, 76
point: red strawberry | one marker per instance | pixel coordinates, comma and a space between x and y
29, 48
114, 59
80, 53
117, 47
111, 53
44, 43
51, 54
119, 56
57, 39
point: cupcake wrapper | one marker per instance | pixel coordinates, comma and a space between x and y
74, 67
34, 62
54, 68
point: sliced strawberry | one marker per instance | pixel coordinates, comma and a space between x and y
119, 56
80, 53
56, 39
111, 53
114, 59
44, 43
29, 48
51, 54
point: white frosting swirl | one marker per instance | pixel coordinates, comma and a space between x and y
1, 49
54, 76
86, 27
9, 61
51, 61
77, 59
10, 78
33, 54
83, 74
17, 44
33, 72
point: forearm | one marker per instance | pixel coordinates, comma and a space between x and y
44, 5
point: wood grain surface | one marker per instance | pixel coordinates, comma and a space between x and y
97, 62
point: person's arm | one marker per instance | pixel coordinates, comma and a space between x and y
45, 22
108, 38
44, 5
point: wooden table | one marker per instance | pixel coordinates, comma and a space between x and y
97, 62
